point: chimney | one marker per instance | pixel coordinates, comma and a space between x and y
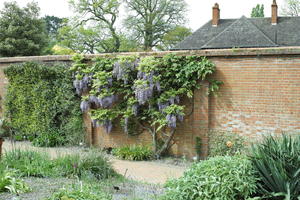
215, 15
274, 13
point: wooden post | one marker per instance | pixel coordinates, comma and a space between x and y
1, 142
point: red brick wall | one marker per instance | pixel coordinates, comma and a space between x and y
260, 95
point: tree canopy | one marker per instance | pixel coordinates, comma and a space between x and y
101, 12
291, 8
22, 31
258, 11
150, 20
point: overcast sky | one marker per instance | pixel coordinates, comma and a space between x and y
200, 11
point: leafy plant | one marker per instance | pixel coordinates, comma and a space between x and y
277, 161
146, 91
223, 143
40, 103
136, 152
221, 177
80, 192
9, 182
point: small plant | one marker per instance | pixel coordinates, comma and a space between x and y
10, 183
136, 152
220, 177
198, 147
80, 192
277, 161
225, 143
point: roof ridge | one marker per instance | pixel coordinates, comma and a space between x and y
236, 21
261, 31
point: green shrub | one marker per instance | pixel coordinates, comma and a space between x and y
28, 162
223, 143
277, 161
10, 183
136, 152
220, 177
41, 103
80, 192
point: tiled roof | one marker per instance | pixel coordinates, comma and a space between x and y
244, 33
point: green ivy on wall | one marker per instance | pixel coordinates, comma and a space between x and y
144, 92
41, 104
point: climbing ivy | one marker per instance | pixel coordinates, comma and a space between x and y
143, 92
41, 104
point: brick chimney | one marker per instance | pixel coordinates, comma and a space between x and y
215, 15
274, 13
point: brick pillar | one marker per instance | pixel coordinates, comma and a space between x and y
215, 15
201, 118
274, 13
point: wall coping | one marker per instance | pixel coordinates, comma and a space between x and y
277, 51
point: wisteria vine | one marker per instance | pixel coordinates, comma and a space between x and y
144, 90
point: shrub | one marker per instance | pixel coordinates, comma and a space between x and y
136, 152
10, 183
28, 162
277, 161
220, 177
41, 103
225, 143
78, 192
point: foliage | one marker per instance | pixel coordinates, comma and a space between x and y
223, 178
22, 32
53, 24
173, 37
88, 39
103, 13
80, 192
258, 11
277, 160
40, 103
9, 182
291, 8
89, 165
37, 164
146, 91
59, 50
136, 152
28, 163
150, 20
225, 143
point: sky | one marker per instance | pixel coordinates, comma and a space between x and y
199, 11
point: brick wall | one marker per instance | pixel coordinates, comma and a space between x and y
260, 95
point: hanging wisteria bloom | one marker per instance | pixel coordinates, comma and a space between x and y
121, 69
171, 119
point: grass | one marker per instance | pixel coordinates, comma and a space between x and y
76, 176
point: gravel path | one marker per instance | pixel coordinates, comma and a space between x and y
154, 172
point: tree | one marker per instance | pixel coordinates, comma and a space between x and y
89, 39
150, 20
53, 23
22, 32
103, 12
258, 11
173, 37
291, 8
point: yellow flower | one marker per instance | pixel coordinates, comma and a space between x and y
229, 144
